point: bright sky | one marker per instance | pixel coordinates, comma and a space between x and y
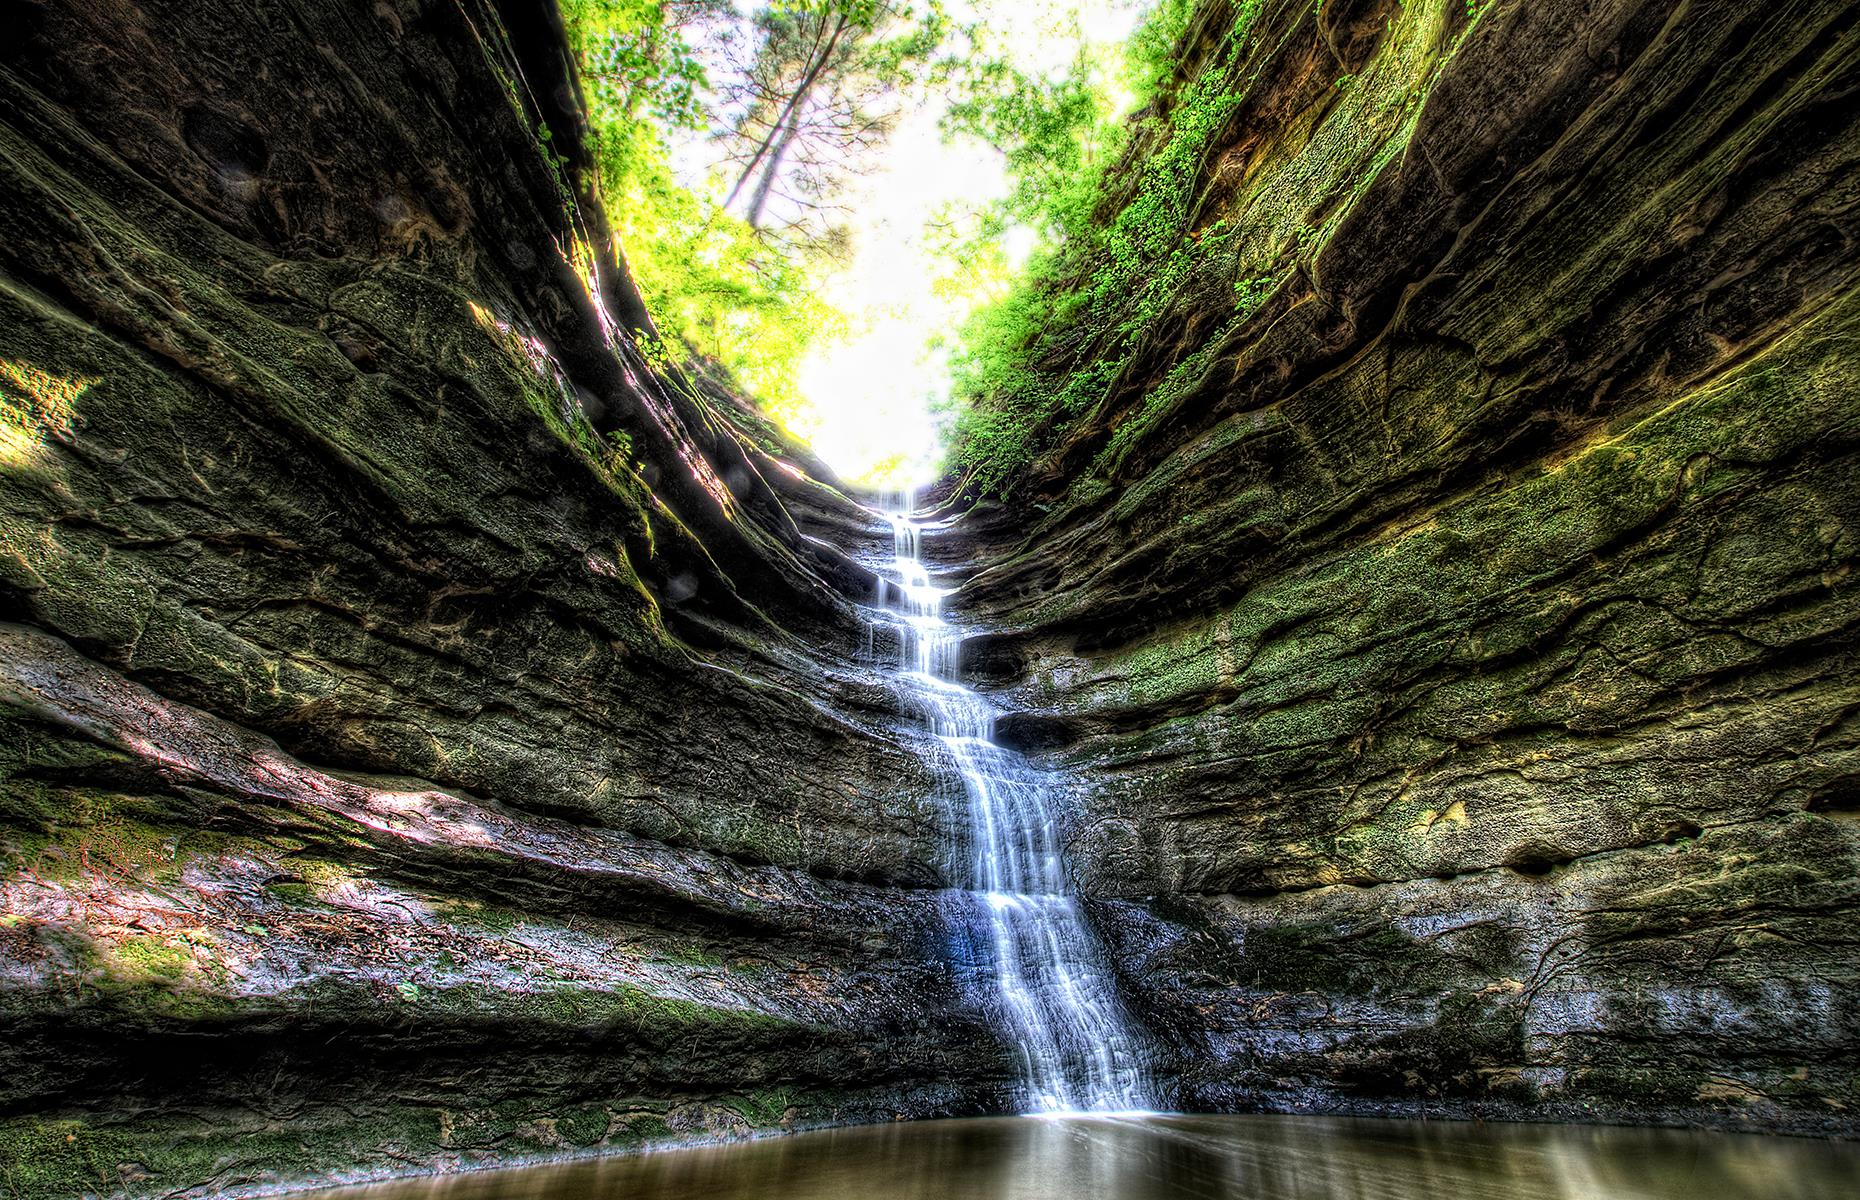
872, 392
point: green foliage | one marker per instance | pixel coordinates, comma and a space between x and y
55, 1156
686, 96
1112, 251
1150, 56
636, 61
1052, 130
1064, 334
1249, 294
745, 301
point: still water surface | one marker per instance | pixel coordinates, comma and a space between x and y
1153, 1158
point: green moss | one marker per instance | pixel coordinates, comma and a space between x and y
54, 1158
584, 1126
1166, 669
476, 914
38, 761
762, 1109
685, 950
1469, 1032
151, 957
629, 1006
1649, 1086
40, 1157
492, 1125
1094, 319
129, 848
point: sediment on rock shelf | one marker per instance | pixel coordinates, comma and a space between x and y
433, 732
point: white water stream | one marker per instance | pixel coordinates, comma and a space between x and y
1063, 1015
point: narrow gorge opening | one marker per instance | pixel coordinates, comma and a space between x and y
672, 598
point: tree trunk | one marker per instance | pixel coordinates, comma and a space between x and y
795, 99
769, 173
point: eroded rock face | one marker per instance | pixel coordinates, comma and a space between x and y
426, 735
1456, 633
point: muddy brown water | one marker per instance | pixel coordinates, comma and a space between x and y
1157, 1157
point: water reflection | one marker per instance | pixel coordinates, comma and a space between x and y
1150, 1158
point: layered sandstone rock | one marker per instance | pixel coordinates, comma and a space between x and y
427, 735
1456, 632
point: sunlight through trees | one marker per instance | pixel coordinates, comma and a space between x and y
818, 196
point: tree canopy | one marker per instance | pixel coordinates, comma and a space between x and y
727, 137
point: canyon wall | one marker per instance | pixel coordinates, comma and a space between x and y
431, 733
1449, 607
427, 733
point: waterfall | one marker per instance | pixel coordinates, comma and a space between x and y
1054, 988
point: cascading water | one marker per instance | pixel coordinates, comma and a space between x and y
1076, 1049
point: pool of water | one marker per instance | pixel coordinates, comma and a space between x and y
1153, 1157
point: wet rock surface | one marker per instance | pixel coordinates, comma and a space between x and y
1460, 667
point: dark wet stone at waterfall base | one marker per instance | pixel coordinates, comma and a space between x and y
1184, 1157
